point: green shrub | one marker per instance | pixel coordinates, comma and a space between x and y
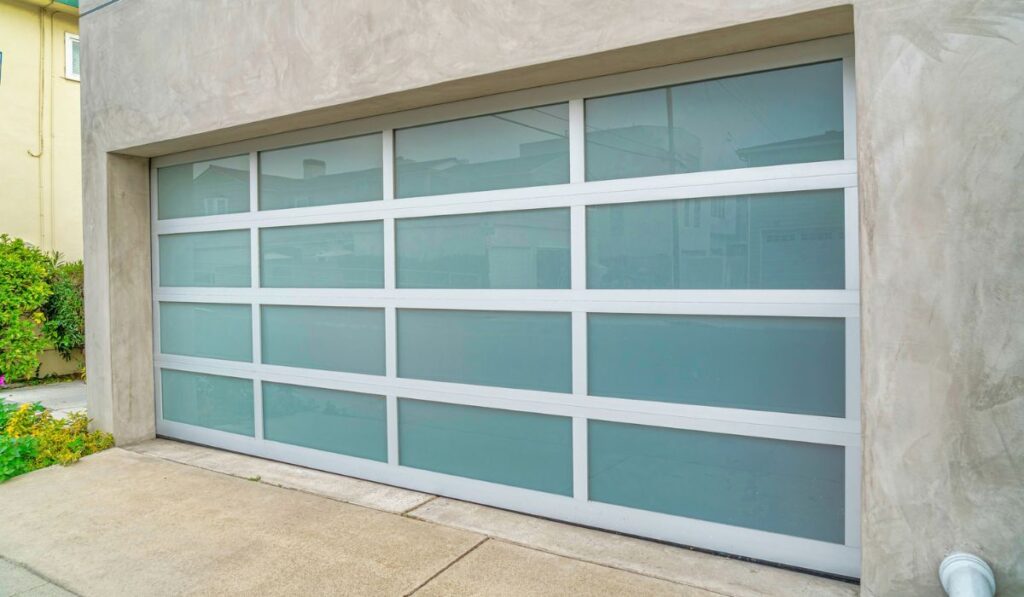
24, 289
41, 305
65, 309
16, 456
31, 438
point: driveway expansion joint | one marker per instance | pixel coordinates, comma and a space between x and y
448, 566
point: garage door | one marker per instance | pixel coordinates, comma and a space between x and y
628, 302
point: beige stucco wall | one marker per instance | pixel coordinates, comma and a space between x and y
941, 165
40, 134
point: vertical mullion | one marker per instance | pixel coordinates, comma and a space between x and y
580, 451
390, 371
578, 274
390, 314
849, 107
851, 365
257, 358
580, 473
388, 144
254, 181
851, 236
257, 337
577, 142
852, 477
578, 282
254, 268
579, 353
389, 254
257, 396
851, 215
578, 247
254, 199
390, 346
392, 429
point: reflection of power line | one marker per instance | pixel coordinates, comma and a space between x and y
530, 126
612, 133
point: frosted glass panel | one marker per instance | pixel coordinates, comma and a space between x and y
348, 255
332, 338
780, 116
492, 348
779, 486
521, 249
785, 364
206, 330
778, 240
341, 171
330, 420
501, 446
213, 401
522, 148
203, 188
205, 259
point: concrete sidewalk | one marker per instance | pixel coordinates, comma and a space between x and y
61, 398
167, 518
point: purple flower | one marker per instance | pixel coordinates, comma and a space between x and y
2, 381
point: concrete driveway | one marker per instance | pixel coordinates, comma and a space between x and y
61, 398
165, 518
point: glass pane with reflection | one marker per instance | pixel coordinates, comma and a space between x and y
218, 258
522, 148
784, 116
340, 171
520, 249
206, 188
332, 420
769, 241
329, 338
216, 331
212, 401
512, 349
521, 449
787, 487
344, 255
782, 364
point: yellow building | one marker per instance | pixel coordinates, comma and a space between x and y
40, 139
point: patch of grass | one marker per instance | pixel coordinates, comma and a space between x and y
31, 438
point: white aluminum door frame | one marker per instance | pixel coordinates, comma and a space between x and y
578, 405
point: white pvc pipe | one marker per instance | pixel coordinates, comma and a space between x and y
966, 575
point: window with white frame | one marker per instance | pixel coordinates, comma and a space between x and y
629, 302
72, 63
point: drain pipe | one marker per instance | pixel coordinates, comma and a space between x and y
966, 575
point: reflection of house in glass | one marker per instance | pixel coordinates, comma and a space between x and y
344, 255
784, 240
641, 150
828, 145
218, 186
538, 163
317, 187
221, 190
527, 249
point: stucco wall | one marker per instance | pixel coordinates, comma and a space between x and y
941, 137
40, 151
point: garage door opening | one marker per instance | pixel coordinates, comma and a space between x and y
629, 302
